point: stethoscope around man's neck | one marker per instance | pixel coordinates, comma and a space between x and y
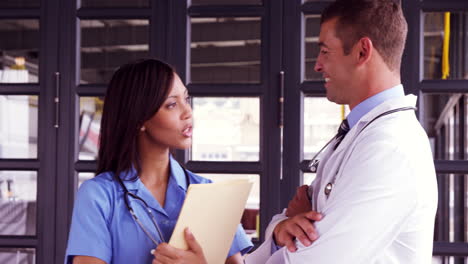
315, 161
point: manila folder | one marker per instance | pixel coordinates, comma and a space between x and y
212, 212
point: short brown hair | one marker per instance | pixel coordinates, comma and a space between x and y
380, 20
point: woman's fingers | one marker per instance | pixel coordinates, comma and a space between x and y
192, 242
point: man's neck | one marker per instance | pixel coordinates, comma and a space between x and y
376, 83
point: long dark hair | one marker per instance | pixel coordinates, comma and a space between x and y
135, 93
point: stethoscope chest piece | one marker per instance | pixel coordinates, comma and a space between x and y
314, 165
328, 189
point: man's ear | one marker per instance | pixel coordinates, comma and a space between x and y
365, 48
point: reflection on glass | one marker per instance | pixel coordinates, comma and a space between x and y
442, 117
114, 3
225, 50
17, 255
19, 50
451, 220
108, 44
83, 176
226, 129
434, 34
226, 2
321, 121
452, 213
312, 31
18, 202
447, 259
18, 126
90, 124
250, 218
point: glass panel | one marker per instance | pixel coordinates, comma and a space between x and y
19, 50
452, 215
225, 50
441, 121
18, 202
114, 3
107, 44
448, 260
308, 178
226, 129
434, 33
83, 176
90, 124
226, 2
312, 31
17, 255
18, 3
321, 121
18, 126
250, 218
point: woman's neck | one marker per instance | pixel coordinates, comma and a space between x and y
154, 167
154, 172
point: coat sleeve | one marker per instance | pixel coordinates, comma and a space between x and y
366, 210
262, 253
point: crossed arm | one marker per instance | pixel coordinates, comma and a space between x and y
299, 224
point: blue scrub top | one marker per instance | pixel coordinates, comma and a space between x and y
103, 228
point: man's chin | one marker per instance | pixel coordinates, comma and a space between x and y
331, 98
335, 99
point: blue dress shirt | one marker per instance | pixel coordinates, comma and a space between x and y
370, 103
102, 227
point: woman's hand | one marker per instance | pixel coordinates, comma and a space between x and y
165, 254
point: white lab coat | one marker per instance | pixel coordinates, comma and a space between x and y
383, 204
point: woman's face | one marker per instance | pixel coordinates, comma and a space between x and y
171, 126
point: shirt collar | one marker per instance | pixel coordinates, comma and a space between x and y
178, 173
370, 103
132, 181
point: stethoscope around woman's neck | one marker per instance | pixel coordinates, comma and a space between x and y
148, 210
315, 161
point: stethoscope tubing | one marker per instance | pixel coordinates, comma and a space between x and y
147, 208
313, 165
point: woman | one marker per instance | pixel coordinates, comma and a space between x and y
146, 113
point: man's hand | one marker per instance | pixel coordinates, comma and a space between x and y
165, 254
300, 226
300, 203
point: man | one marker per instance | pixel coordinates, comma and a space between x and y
375, 196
